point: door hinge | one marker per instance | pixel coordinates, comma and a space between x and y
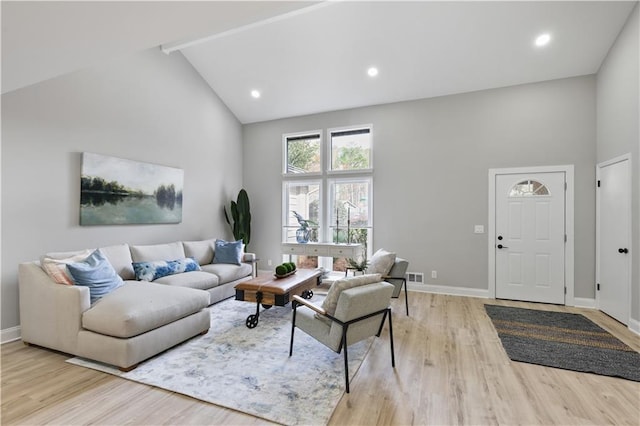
565, 290
598, 286
565, 238
565, 186
598, 183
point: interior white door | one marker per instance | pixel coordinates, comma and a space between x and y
530, 237
614, 198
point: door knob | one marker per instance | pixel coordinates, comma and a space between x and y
623, 250
500, 246
500, 237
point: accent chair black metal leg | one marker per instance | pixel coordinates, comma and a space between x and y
406, 296
346, 358
293, 326
393, 357
384, 317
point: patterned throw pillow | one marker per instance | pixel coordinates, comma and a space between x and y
381, 262
96, 273
149, 271
331, 301
56, 268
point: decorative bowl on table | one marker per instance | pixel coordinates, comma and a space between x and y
285, 275
284, 270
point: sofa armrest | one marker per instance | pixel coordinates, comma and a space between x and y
249, 257
253, 260
50, 313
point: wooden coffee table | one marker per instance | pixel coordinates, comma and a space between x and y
267, 290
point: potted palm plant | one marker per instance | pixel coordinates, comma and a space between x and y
241, 215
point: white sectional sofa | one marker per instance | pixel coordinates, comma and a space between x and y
135, 321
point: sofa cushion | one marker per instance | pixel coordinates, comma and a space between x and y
56, 267
149, 271
157, 251
137, 307
120, 258
201, 251
96, 273
227, 272
228, 252
196, 279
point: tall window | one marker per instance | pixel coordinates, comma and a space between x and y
337, 186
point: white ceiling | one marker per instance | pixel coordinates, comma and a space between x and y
317, 61
45, 39
307, 58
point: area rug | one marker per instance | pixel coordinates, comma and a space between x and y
563, 340
250, 370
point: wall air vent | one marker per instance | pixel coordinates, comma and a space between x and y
415, 277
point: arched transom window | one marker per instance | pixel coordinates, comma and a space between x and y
528, 188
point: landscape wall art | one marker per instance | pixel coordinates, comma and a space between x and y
115, 191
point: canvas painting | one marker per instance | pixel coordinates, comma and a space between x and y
115, 191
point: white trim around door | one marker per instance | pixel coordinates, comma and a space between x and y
569, 224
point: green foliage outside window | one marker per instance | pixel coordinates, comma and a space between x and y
303, 156
351, 158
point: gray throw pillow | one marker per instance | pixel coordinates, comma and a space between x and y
381, 262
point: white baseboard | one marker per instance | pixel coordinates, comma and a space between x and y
580, 302
634, 325
10, 334
451, 291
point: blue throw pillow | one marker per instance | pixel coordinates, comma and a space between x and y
96, 273
149, 271
227, 252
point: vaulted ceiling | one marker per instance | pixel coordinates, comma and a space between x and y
308, 57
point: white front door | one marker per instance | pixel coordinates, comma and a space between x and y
530, 237
614, 237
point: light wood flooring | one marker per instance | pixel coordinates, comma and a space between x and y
450, 370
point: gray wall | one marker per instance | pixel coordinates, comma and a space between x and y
618, 94
148, 107
431, 163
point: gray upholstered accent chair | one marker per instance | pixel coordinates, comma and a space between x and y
397, 277
360, 313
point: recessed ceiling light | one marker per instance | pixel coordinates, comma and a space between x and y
373, 71
543, 39
255, 94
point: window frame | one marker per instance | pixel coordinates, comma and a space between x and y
331, 202
285, 153
329, 158
286, 184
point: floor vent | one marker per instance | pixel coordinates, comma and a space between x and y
415, 277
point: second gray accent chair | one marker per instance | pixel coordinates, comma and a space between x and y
397, 277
